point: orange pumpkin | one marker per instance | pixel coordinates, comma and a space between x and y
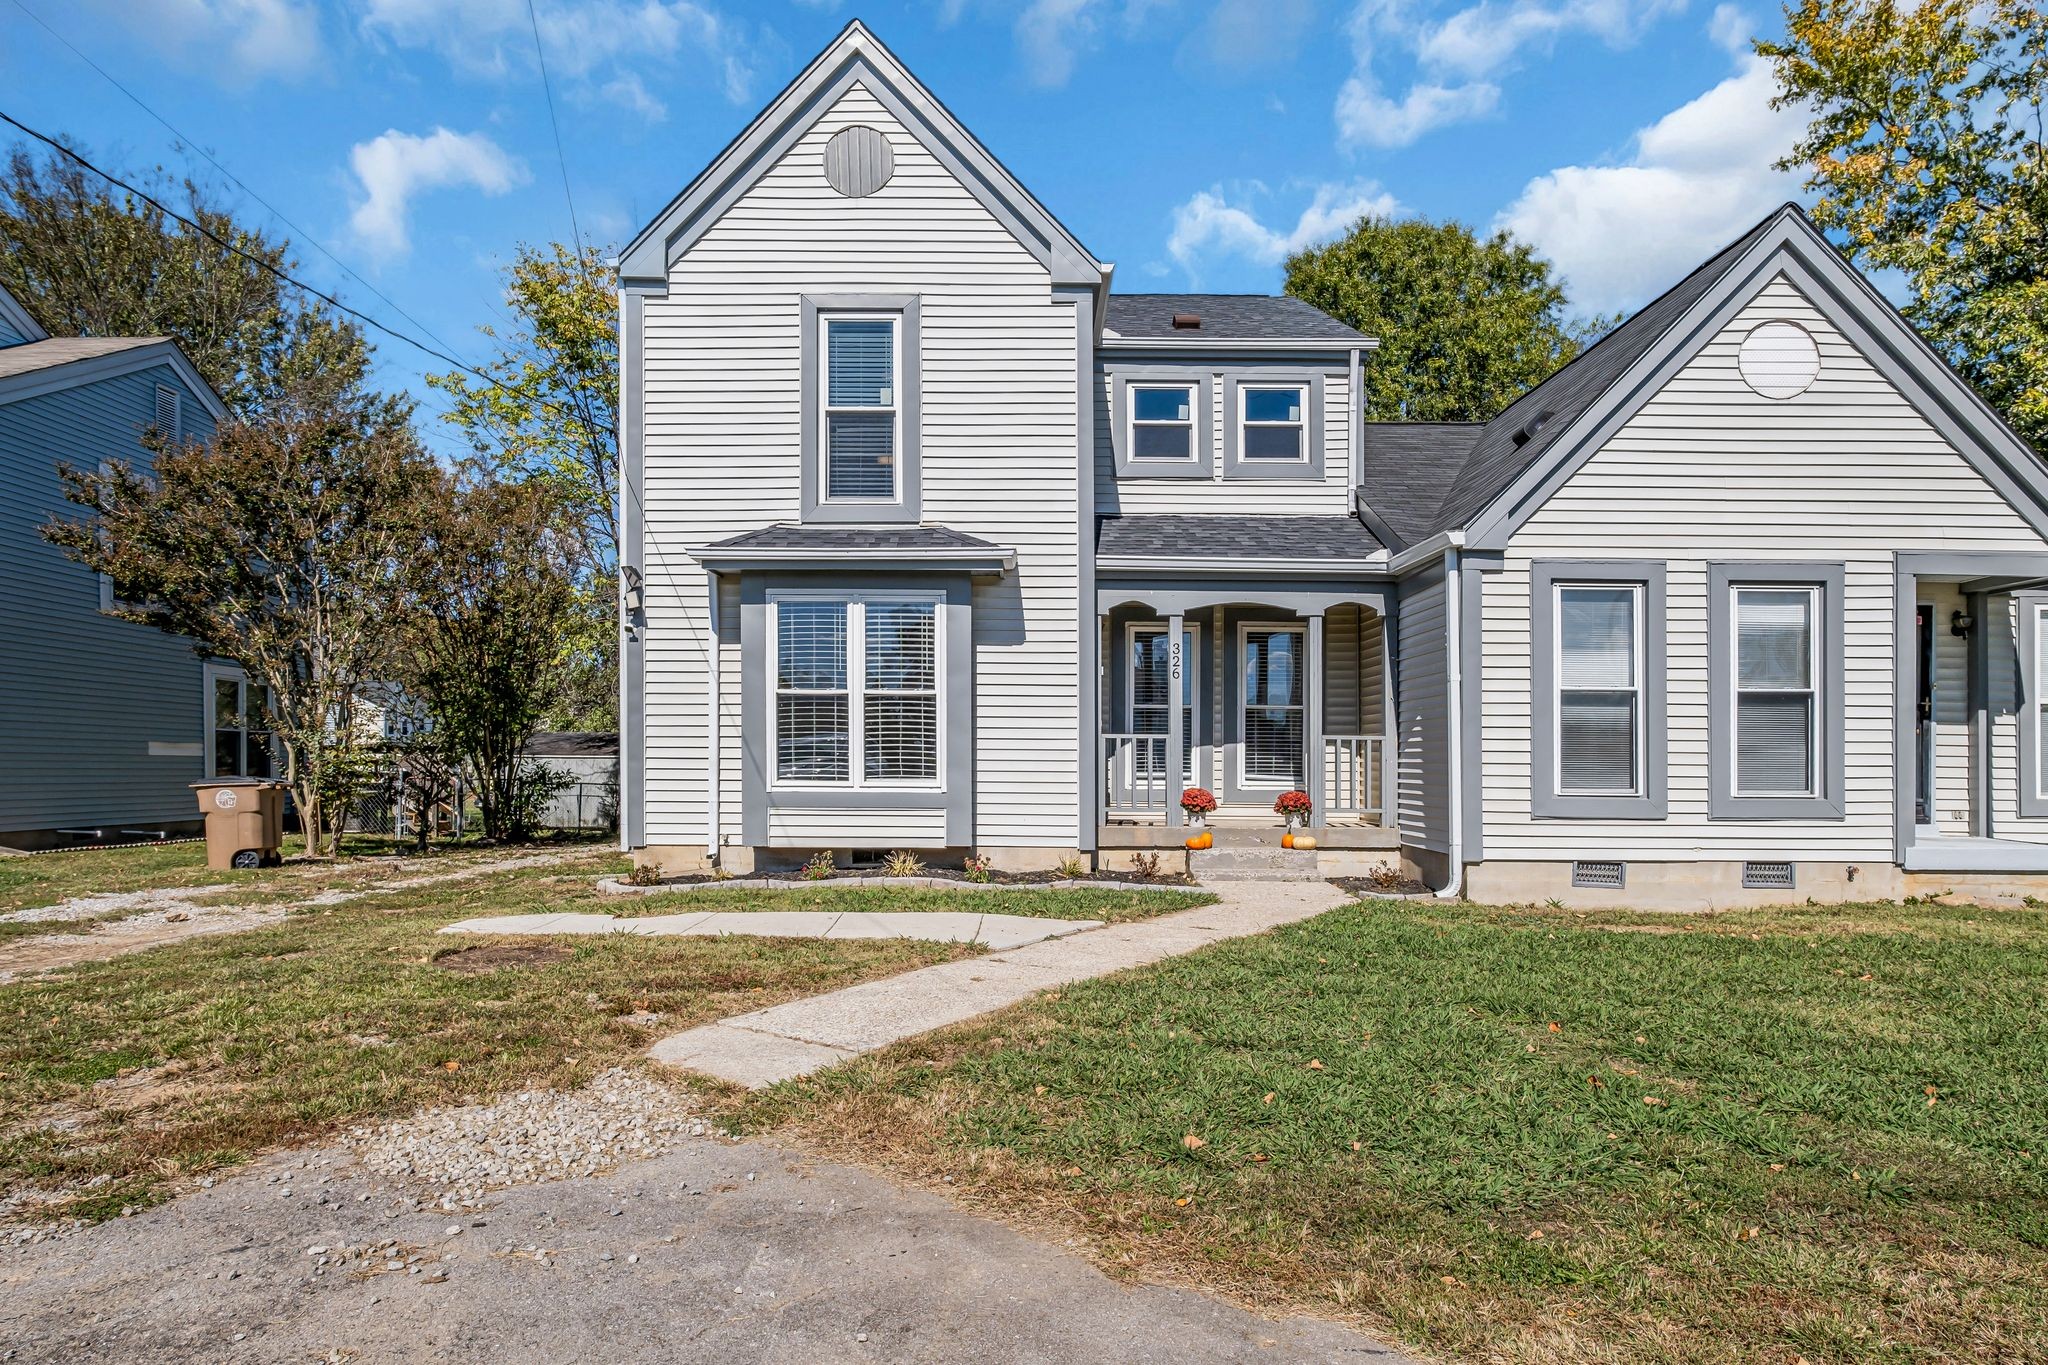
1287, 839
1206, 839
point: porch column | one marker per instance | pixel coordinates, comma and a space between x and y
1104, 658
1390, 722
1176, 670
1312, 720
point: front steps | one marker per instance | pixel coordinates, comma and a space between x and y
1253, 862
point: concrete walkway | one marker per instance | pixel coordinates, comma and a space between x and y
944, 926
803, 1036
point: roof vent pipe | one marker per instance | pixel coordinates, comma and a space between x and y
1532, 426
1187, 322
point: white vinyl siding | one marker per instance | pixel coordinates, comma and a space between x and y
1847, 472
1327, 496
722, 449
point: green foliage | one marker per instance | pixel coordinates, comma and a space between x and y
553, 411
1926, 149
1465, 325
87, 260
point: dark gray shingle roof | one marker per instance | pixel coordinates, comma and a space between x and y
854, 538
1407, 469
1497, 461
1226, 317
1235, 536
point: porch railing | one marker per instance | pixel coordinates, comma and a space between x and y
1353, 780
1134, 774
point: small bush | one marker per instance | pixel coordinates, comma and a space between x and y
1145, 865
903, 863
1072, 868
978, 868
646, 874
1386, 877
819, 867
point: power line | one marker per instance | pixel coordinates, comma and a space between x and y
304, 235
561, 157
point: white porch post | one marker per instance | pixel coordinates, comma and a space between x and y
1176, 670
1312, 727
1105, 759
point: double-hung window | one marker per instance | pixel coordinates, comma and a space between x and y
1273, 422
863, 419
1597, 707
238, 725
1162, 421
857, 691
1774, 670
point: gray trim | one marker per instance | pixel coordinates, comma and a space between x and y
1545, 801
909, 389
1236, 468
1796, 250
632, 560
856, 56
956, 735
2025, 605
1088, 631
18, 317
1827, 801
1203, 465
1472, 684
1166, 596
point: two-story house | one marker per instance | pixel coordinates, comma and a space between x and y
933, 542
104, 724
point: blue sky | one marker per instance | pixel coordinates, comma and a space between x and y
1191, 142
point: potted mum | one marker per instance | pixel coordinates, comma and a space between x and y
1294, 807
1198, 803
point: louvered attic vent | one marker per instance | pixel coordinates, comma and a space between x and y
1187, 322
1607, 876
1767, 876
167, 414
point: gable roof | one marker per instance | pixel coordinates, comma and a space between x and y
1225, 317
17, 317
54, 363
1405, 469
856, 56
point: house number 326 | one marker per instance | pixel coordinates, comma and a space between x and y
1173, 657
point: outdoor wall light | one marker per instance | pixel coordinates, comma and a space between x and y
630, 590
1961, 623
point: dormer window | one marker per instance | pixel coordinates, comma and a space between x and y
862, 419
1273, 421
1162, 421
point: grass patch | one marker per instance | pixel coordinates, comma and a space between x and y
1530, 1136
1114, 907
215, 1049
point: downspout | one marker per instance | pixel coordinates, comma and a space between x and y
715, 746
1454, 689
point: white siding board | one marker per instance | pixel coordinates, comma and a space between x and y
1708, 470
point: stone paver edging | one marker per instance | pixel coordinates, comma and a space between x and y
997, 931
802, 1036
613, 886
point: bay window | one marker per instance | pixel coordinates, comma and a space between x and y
856, 683
1597, 706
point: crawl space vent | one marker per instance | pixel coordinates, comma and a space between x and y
1767, 876
1607, 876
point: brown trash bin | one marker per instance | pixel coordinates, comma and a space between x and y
244, 821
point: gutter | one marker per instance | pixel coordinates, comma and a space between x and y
1427, 552
1454, 687
1223, 345
715, 749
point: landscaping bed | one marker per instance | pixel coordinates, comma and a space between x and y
1806, 1134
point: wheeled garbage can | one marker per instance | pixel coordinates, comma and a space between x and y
244, 821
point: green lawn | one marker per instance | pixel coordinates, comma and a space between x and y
1528, 1135
1114, 907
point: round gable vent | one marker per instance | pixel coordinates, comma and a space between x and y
858, 162
1779, 360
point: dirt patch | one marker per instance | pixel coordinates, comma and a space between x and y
490, 957
25, 956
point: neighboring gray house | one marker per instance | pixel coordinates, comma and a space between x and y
103, 723
587, 762
931, 541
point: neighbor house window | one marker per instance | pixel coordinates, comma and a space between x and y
1162, 421
1774, 676
856, 677
862, 418
1599, 688
1273, 422
1597, 709
1775, 691
1272, 702
238, 719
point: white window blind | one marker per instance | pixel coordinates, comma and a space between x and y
861, 412
1151, 684
1271, 422
1775, 697
1599, 688
890, 718
1162, 422
1272, 706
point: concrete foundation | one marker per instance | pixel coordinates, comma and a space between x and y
1173, 861
1705, 885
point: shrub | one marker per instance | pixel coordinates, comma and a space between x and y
819, 867
903, 863
977, 867
1072, 868
1146, 866
646, 874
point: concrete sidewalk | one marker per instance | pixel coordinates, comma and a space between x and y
938, 926
808, 1035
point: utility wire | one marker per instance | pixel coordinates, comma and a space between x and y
278, 213
561, 157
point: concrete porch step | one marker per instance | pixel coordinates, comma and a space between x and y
1253, 863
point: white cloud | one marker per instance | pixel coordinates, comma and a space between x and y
246, 40
1456, 60
1050, 34
1210, 227
597, 47
1239, 36
1694, 179
395, 166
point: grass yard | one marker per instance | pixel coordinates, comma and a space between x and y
122, 1077
1113, 907
1529, 1135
